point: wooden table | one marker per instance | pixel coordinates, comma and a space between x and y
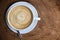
47, 29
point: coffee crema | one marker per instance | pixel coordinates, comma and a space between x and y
20, 17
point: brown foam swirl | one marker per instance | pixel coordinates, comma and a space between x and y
20, 17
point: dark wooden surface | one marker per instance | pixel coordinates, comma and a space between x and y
47, 29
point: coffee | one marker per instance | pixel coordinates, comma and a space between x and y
20, 17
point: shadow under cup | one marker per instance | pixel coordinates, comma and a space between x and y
22, 16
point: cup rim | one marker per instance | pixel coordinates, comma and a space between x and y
34, 12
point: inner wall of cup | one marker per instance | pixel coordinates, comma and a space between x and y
11, 24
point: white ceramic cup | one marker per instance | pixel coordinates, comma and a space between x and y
34, 21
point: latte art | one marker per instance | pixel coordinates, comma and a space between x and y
20, 17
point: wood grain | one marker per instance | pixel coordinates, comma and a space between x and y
47, 29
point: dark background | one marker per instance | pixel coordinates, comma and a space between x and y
47, 29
